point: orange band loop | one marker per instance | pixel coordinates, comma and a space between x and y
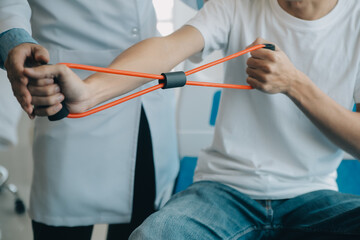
160, 77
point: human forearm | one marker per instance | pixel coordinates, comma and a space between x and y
154, 55
337, 123
272, 72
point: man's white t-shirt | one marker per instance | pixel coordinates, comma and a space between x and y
264, 145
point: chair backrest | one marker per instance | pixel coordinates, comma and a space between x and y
349, 176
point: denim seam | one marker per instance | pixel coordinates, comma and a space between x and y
310, 229
243, 232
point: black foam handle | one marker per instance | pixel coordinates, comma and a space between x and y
64, 112
173, 79
269, 46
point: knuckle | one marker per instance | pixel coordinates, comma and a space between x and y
267, 68
262, 87
56, 99
274, 57
36, 83
31, 89
45, 90
258, 40
6, 64
250, 81
51, 90
249, 61
45, 111
265, 78
24, 98
266, 87
49, 111
24, 80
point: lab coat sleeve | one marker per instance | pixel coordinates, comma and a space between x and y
15, 26
10, 39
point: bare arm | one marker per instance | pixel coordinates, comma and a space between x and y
272, 72
154, 55
339, 124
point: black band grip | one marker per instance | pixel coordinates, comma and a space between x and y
61, 114
173, 79
269, 46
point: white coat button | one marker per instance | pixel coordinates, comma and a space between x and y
135, 31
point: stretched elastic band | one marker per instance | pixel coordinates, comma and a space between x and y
166, 80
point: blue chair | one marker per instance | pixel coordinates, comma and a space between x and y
349, 176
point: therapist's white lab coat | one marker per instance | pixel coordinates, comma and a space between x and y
10, 113
84, 168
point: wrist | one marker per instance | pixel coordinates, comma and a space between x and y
90, 94
298, 85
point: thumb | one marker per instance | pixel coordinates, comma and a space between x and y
257, 41
262, 41
41, 54
47, 71
44, 71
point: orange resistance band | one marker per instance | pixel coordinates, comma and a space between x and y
159, 77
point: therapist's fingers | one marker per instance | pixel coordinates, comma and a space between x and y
26, 54
41, 54
47, 111
14, 67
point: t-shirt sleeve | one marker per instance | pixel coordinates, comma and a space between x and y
214, 22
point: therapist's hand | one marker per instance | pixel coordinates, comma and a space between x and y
271, 71
49, 85
21, 56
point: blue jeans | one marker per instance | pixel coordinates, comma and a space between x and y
210, 210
